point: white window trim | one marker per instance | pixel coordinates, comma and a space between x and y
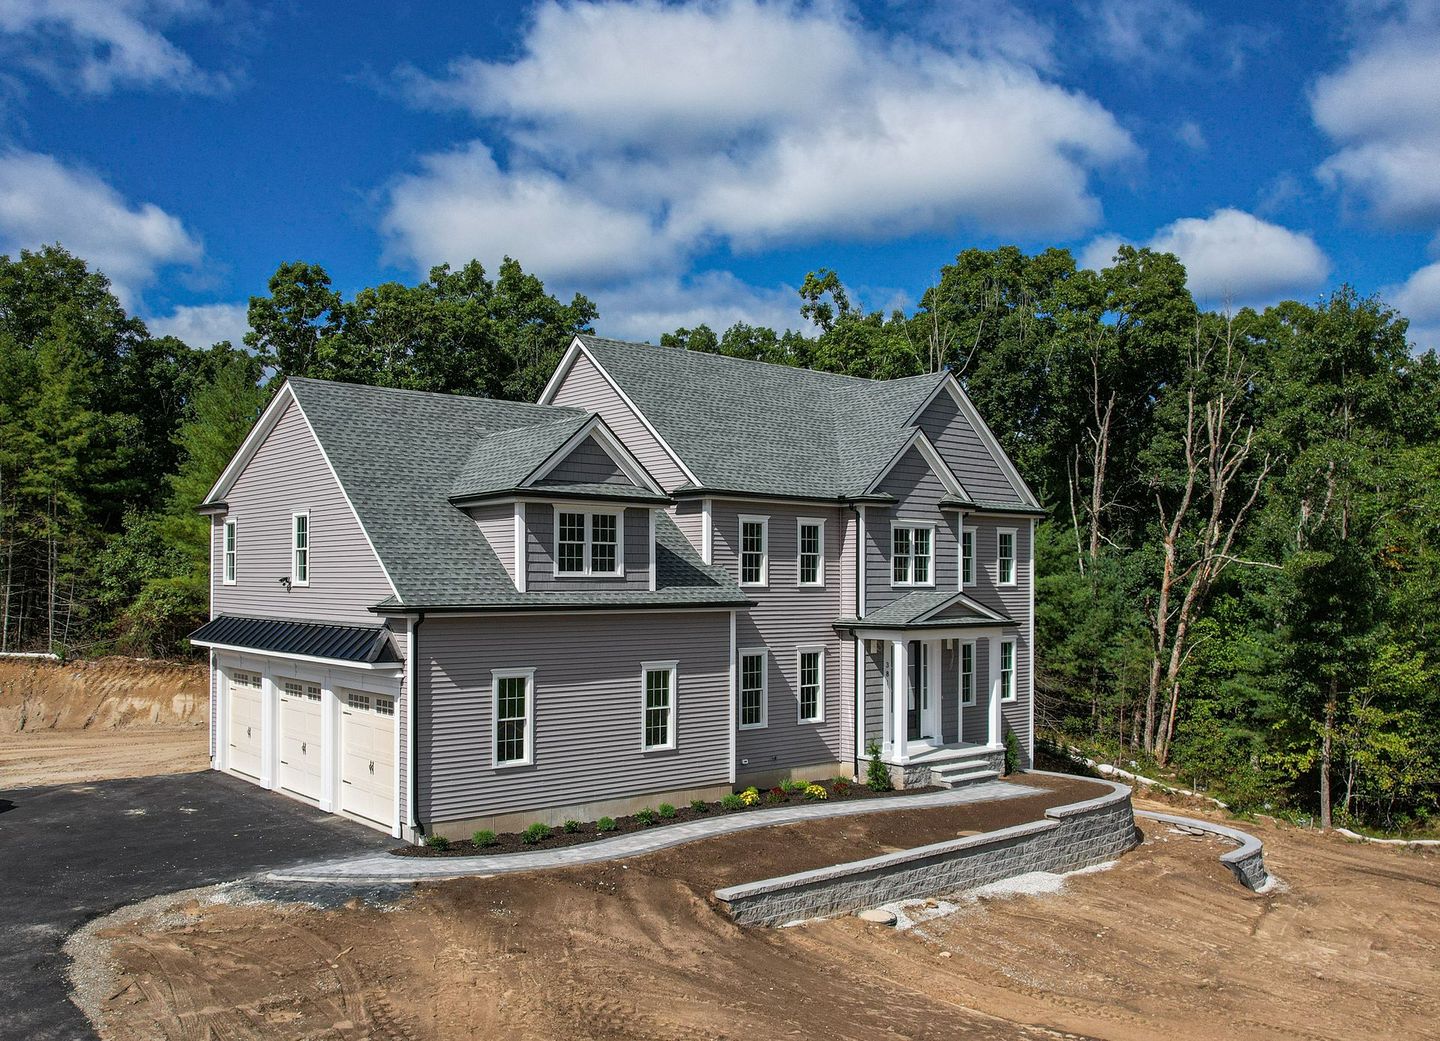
800, 652
673, 668
1014, 557
800, 524
1000, 673
229, 544
912, 526
960, 672
295, 579
589, 512
967, 563
496, 675
764, 523
748, 652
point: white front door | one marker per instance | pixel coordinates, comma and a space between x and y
245, 731
367, 756
300, 738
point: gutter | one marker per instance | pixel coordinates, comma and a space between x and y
551, 608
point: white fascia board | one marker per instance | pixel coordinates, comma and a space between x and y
269, 416
987, 437
567, 360
932, 458
596, 427
968, 601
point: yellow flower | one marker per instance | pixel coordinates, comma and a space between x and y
816, 791
749, 796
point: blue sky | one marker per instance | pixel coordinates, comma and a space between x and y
690, 162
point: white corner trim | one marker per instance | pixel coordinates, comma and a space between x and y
707, 532
577, 348
520, 554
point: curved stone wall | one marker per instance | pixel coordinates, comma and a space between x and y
1068, 838
1246, 861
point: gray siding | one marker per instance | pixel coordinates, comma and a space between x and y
587, 709
587, 464
960, 445
584, 387
688, 515
540, 551
1014, 601
918, 492
288, 474
875, 692
785, 617
497, 524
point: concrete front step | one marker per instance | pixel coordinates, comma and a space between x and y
962, 780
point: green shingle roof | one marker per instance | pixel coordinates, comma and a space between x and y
399, 453
766, 429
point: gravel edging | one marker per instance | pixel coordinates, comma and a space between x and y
388, 868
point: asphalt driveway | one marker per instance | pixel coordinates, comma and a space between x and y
72, 852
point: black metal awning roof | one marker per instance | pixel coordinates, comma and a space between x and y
359, 644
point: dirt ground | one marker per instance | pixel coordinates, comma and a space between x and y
71, 722
1164, 943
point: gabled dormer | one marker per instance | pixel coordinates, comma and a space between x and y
564, 505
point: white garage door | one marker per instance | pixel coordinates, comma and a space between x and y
367, 756
245, 732
300, 738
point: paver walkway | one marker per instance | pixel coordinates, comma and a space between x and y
387, 868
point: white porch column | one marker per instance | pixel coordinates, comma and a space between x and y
901, 690
935, 694
269, 737
329, 746
994, 707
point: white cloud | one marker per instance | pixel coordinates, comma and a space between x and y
203, 325
645, 309
743, 123
461, 206
96, 45
1382, 112
1191, 136
1232, 257
43, 201
1418, 298
1099, 252
1147, 34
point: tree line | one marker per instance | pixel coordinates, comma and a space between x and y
1237, 581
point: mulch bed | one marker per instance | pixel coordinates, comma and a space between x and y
511, 842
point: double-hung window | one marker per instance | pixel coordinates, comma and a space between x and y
227, 574
810, 540
811, 688
754, 551
752, 689
658, 681
300, 549
1005, 557
1007, 670
967, 557
967, 674
912, 549
587, 542
513, 694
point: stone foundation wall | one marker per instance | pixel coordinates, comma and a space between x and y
1069, 837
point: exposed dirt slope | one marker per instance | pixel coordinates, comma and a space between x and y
101, 694
1163, 945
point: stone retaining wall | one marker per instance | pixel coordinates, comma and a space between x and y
1069, 837
1246, 862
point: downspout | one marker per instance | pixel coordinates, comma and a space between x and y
412, 774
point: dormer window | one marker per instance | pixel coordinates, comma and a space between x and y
911, 559
587, 543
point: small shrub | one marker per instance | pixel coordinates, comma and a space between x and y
840, 781
483, 838
646, 817
816, 791
667, 811
537, 832
751, 789
877, 774
572, 826
699, 806
1012, 753
775, 795
790, 787
749, 797
605, 824
734, 802
439, 842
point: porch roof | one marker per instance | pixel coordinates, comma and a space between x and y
928, 609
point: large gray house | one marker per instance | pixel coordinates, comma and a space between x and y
675, 574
